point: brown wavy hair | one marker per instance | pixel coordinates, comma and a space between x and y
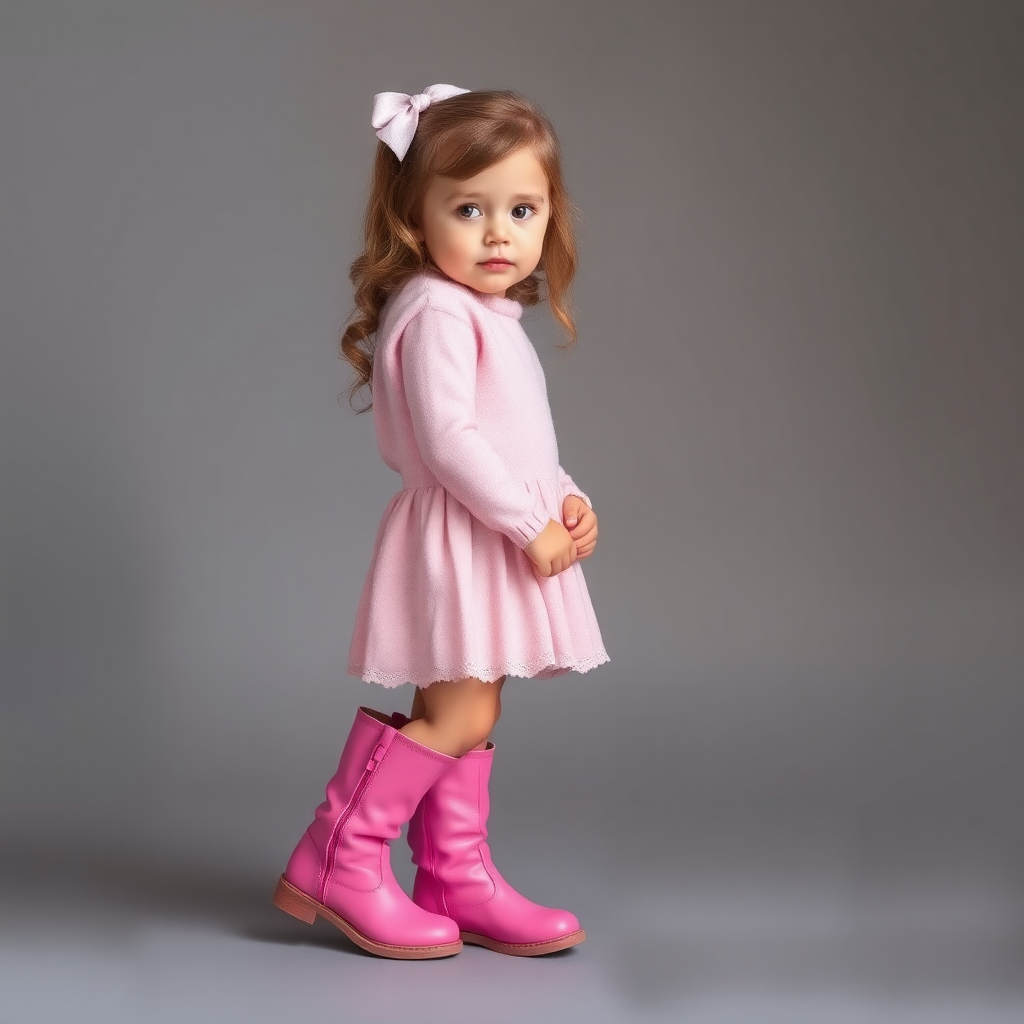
457, 138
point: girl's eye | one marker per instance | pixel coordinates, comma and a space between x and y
522, 212
471, 215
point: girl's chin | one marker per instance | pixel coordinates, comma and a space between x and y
491, 284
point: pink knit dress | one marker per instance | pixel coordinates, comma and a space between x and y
461, 412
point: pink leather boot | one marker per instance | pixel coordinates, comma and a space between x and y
341, 869
456, 876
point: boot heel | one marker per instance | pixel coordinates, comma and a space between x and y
292, 901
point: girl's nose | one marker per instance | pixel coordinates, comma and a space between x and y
495, 231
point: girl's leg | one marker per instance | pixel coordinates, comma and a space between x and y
455, 874
455, 716
419, 709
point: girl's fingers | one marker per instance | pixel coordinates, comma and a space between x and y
583, 519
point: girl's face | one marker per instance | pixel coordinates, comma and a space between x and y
487, 232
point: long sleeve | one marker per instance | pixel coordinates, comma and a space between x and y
438, 360
569, 486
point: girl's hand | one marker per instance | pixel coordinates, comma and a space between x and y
581, 522
552, 551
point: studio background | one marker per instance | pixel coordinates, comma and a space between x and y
796, 402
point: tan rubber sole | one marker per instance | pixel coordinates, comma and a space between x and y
295, 902
525, 948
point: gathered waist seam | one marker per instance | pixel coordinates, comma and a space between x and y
435, 485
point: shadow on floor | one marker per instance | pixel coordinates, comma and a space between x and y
130, 893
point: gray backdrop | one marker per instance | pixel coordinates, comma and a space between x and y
796, 401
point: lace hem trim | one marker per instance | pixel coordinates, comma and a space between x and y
544, 668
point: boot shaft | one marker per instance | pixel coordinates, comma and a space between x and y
366, 742
448, 831
380, 778
455, 875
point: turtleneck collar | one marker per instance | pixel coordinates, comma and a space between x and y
506, 307
495, 303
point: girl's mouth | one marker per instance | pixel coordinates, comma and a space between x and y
499, 264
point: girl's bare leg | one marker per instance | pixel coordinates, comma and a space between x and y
455, 716
419, 708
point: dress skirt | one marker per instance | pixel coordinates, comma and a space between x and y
447, 597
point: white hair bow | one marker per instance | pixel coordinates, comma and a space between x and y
396, 114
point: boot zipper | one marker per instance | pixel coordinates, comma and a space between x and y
332, 844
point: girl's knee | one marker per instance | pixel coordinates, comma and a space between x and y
477, 725
465, 711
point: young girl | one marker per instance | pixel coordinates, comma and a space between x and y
475, 572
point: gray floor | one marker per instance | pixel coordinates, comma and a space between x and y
96, 938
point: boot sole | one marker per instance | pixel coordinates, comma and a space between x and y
297, 903
525, 948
